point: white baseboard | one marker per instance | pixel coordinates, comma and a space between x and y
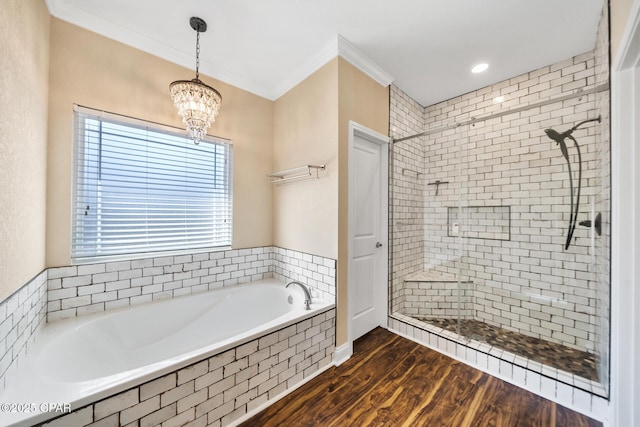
342, 353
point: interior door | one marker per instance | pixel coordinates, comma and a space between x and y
367, 289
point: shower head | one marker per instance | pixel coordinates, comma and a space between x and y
559, 139
555, 135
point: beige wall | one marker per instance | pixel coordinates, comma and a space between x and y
620, 10
97, 72
366, 102
24, 82
306, 132
311, 125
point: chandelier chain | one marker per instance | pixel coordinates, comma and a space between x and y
198, 53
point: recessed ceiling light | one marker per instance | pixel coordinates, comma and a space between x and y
479, 68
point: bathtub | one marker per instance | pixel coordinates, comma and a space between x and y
80, 360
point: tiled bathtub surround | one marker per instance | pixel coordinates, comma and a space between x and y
220, 389
21, 315
89, 288
317, 272
215, 391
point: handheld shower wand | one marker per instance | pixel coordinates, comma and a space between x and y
559, 138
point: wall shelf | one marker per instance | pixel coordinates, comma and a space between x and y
301, 173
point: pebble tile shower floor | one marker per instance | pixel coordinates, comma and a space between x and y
559, 356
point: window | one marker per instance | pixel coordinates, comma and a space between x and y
142, 187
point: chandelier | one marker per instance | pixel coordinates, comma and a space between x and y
196, 102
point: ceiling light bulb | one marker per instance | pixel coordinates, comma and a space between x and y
479, 68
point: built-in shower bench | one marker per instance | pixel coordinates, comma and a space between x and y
432, 293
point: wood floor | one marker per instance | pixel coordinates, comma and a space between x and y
391, 381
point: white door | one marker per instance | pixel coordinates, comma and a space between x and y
367, 229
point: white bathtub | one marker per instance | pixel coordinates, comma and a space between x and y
84, 359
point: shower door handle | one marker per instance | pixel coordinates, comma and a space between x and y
378, 245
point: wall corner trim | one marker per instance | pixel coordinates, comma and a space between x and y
628, 54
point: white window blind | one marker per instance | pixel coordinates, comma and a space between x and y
140, 187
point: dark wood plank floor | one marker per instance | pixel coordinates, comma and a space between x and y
392, 381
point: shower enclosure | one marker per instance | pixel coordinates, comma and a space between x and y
499, 219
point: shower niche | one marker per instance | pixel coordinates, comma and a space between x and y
506, 258
480, 222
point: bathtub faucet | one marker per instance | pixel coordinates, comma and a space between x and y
307, 293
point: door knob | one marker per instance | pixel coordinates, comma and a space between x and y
378, 245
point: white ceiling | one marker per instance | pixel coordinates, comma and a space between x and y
427, 47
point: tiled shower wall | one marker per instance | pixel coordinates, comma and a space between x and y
89, 288
406, 213
527, 283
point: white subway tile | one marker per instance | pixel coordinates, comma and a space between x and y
68, 282
118, 266
209, 405
156, 418
177, 393
60, 294
192, 400
140, 410
158, 386
116, 404
76, 302
90, 289
82, 417
91, 269
209, 378
191, 372
181, 419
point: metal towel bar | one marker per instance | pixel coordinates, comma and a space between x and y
301, 173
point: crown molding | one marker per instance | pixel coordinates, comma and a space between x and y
76, 16
362, 62
53, 6
319, 59
338, 47
61, 9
